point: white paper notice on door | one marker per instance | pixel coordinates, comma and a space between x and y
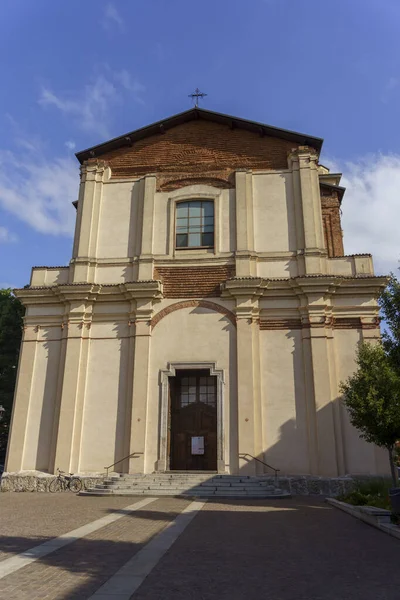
198, 444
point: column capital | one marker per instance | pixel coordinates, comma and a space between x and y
95, 170
247, 292
304, 155
142, 296
244, 286
150, 289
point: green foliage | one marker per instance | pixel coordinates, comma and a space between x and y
11, 313
372, 398
374, 492
390, 307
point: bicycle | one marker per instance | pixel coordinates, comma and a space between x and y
64, 482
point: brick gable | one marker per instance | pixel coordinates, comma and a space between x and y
196, 149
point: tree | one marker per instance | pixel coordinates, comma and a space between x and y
11, 313
372, 397
390, 306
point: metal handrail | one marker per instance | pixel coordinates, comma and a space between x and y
120, 460
263, 463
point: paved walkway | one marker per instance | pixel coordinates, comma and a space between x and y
172, 548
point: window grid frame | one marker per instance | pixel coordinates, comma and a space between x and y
185, 391
200, 228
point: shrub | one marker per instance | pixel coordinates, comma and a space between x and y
374, 492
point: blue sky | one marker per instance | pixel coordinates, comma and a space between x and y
79, 72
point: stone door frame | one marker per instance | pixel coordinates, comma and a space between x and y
162, 464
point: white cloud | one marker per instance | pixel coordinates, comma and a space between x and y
40, 191
70, 145
92, 108
371, 208
6, 236
125, 79
112, 17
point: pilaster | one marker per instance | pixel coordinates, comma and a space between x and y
323, 420
72, 375
146, 259
23, 390
245, 256
247, 292
142, 295
93, 176
310, 236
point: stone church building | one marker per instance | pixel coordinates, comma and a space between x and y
207, 315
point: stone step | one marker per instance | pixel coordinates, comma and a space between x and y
203, 494
188, 484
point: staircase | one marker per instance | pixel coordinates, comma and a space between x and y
204, 485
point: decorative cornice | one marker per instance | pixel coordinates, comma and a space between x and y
251, 288
320, 322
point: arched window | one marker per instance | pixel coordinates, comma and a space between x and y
195, 224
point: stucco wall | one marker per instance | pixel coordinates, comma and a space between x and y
274, 224
39, 433
360, 457
283, 401
191, 335
105, 398
118, 220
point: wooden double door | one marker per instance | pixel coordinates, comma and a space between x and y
193, 421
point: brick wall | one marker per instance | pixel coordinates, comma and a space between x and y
197, 148
193, 282
331, 222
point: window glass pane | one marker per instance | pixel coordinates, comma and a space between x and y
185, 380
192, 398
203, 380
192, 380
195, 224
208, 209
207, 239
203, 389
181, 240
194, 209
195, 239
203, 398
192, 389
182, 209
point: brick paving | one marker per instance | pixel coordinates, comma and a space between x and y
79, 569
29, 519
298, 549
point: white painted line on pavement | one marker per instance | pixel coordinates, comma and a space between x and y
10, 565
126, 581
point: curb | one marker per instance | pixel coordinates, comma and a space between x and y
354, 511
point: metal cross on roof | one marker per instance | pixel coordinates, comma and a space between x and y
196, 95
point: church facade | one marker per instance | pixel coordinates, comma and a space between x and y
207, 316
